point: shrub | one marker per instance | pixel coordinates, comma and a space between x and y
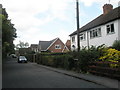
111, 55
59, 60
87, 56
63, 61
116, 45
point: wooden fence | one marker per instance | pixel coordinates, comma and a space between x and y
103, 68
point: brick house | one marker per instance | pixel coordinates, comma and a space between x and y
55, 46
67, 46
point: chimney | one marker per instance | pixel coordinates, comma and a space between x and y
119, 4
107, 8
0, 5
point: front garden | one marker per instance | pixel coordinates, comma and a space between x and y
101, 60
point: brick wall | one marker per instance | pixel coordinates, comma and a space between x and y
58, 42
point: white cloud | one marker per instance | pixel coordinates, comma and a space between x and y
64, 35
23, 14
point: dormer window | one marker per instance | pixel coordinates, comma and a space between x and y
110, 29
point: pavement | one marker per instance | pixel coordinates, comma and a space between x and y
108, 82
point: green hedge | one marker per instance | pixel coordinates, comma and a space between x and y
78, 61
59, 61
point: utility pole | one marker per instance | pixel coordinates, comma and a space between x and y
77, 13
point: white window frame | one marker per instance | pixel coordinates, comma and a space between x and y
57, 46
73, 39
95, 33
82, 36
109, 26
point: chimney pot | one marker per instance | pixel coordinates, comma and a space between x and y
107, 8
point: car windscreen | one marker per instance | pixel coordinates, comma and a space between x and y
22, 57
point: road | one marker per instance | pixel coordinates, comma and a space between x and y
31, 75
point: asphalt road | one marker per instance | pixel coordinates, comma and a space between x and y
31, 75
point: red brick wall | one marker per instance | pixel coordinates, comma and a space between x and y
68, 44
107, 8
58, 42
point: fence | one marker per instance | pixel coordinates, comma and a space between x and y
104, 68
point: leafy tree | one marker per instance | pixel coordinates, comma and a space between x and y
8, 33
22, 45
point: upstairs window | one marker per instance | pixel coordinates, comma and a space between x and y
110, 28
73, 39
95, 33
82, 36
57, 46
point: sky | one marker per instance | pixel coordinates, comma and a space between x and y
48, 19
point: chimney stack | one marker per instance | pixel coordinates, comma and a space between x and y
119, 4
107, 8
0, 5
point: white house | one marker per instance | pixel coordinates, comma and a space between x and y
104, 29
34, 48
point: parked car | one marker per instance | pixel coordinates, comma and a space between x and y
13, 56
22, 59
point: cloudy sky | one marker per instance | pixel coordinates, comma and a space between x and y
47, 19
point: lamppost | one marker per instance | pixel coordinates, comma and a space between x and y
77, 14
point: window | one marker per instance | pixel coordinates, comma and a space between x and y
99, 32
57, 46
82, 36
110, 28
73, 39
95, 33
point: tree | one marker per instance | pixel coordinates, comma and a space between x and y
22, 45
8, 34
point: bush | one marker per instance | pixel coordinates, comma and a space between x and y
111, 55
56, 60
29, 57
116, 45
67, 61
87, 56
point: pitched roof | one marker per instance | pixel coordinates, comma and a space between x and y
34, 45
68, 44
45, 44
100, 20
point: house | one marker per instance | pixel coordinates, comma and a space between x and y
55, 46
104, 29
68, 44
34, 48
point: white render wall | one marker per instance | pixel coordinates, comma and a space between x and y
73, 43
119, 29
104, 39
